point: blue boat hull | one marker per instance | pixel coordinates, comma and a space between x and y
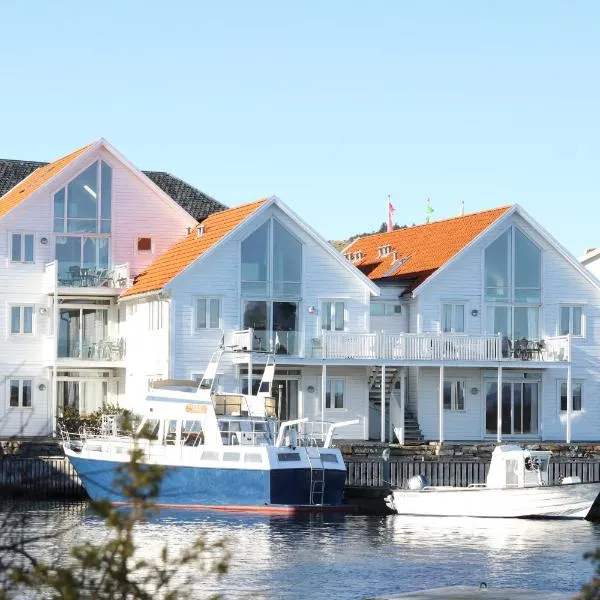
275, 490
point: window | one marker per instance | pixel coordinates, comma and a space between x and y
208, 313
271, 262
144, 244
454, 394
332, 315
21, 247
83, 207
20, 393
21, 319
385, 309
155, 316
275, 325
571, 321
577, 389
512, 282
453, 318
334, 393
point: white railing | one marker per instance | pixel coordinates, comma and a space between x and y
437, 347
83, 277
239, 340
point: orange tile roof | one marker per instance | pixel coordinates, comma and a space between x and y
425, 247
191, 247
35, 181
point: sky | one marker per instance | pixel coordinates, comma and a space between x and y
332, 106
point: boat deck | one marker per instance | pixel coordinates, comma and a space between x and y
463, 592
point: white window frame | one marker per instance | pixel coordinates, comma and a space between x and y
454, 304
574, 382
21, 308
20, 406
138, 238
570, 308
23, 235
328, 387
389, 308
155, 315
208, 300
332, 313
453, 381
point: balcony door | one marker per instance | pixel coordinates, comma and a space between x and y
520, 407
81, 331
275, 325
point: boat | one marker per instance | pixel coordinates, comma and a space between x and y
219, 450
517, 485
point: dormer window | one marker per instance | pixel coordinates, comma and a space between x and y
384, 250
358, 256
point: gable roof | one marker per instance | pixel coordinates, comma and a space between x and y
14, 172
34, 180
186, 251
413, 254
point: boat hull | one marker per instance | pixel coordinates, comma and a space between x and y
236, 489
573, 501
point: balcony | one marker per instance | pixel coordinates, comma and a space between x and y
438, 347
86, 279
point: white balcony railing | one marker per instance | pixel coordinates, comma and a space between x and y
436, 347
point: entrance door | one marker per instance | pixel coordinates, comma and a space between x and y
285, 392
519, 408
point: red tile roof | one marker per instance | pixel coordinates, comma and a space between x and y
421, 249
191, 247
36, 180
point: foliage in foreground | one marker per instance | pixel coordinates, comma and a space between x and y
112, 569
591, 590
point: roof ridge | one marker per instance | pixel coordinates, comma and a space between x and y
412, 227
222, 213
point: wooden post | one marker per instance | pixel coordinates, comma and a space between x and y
441, 402
383, 403
499, 404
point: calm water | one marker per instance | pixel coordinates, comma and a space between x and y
338, 557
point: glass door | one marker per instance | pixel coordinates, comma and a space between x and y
285, 392
519, 408
275, 325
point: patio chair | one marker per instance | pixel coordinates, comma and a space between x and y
75, 275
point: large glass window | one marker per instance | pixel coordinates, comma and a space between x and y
83, 206
271, 262
275, 325
83, 333
512, 282
519, 406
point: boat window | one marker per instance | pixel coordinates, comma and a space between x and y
512, 475
231, 456
149, 429
288, 457
252, 458
208, 455
328, 457
170, 431
191, 433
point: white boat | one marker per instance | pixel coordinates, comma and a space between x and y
224, 451
517, 485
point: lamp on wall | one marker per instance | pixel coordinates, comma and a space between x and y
43, 310
43, 241
474, 391
310, 389
474, 312
42, 387
312, 309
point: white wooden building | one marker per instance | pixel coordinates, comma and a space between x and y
73, 234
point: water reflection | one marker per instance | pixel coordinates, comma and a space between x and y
344, 556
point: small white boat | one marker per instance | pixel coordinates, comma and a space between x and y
517, 485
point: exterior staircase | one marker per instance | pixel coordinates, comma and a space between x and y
412, 431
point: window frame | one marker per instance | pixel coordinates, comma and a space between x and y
24, 235
155, 315
20, 405
328, 387
453, 304
454, 383
208, 313
570, 308
21, 330
574, 382
332, 314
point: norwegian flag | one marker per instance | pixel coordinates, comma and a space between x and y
391, 209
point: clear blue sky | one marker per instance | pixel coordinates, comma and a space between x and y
330, 105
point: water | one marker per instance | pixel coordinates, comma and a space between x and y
334, 557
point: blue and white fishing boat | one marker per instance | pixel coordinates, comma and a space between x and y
224, 451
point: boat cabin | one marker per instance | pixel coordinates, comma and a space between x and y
515, 467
